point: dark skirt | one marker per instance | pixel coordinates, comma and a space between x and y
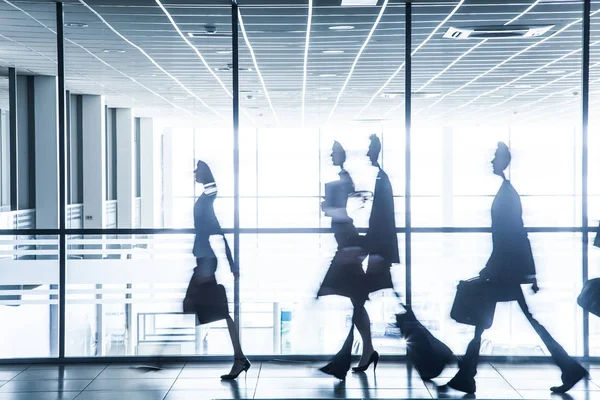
378, 275
345, 277
204, 296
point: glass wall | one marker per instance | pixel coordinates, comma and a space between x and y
475, 93
152, 90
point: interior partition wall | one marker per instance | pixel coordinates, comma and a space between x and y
127, 284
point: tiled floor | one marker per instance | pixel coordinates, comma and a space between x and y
274, 380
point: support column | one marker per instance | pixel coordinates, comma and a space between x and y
13, 137
46, 152
125, 168
167, 170
149, 171
94, 167
447, 176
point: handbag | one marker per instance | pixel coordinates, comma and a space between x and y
208, 301
474, 303
589, 298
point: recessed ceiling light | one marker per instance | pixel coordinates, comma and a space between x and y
327, 75
76, 25
556, 72
364, 3
113, 51
324, 88
333, 51
341, 27
224, 51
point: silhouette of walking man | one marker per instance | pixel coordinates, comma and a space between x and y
510, 265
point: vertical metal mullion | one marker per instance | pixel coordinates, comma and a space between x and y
584, 159
62, 193
407, 128
13, 138
236, 160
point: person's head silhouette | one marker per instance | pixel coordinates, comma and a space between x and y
501, 159
203, 173
338, 155
374, 150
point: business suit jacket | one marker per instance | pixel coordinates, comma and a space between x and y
381, 238
511, 261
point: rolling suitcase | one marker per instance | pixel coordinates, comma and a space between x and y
428, 354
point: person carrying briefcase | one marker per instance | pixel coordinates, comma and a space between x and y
510, 265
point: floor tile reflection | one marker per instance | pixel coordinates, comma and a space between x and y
277, 380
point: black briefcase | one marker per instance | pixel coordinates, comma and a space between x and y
589, 298
474, 303
208, 301
428, 354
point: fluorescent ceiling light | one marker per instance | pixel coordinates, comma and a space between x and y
333, 51
524, 86
324, 88
364, 3
113, 51
327, 75
321, 98
341, 27
224, 51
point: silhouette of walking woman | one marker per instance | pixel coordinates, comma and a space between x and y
345, 276
204, 297
510, 265
381, 244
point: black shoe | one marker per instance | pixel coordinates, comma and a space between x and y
465, 385
570, 379
373, 359
331, 369
243, 365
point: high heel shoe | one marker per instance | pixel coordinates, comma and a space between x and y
373, 359
243, 368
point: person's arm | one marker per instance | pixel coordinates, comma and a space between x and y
232, 266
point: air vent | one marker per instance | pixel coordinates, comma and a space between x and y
497, 32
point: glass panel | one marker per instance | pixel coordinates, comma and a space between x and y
125, 295
280, 315
175, 81
520, 90
441, 260
28, 294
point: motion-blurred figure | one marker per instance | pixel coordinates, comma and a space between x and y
204, 296
345, 276
510, 265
